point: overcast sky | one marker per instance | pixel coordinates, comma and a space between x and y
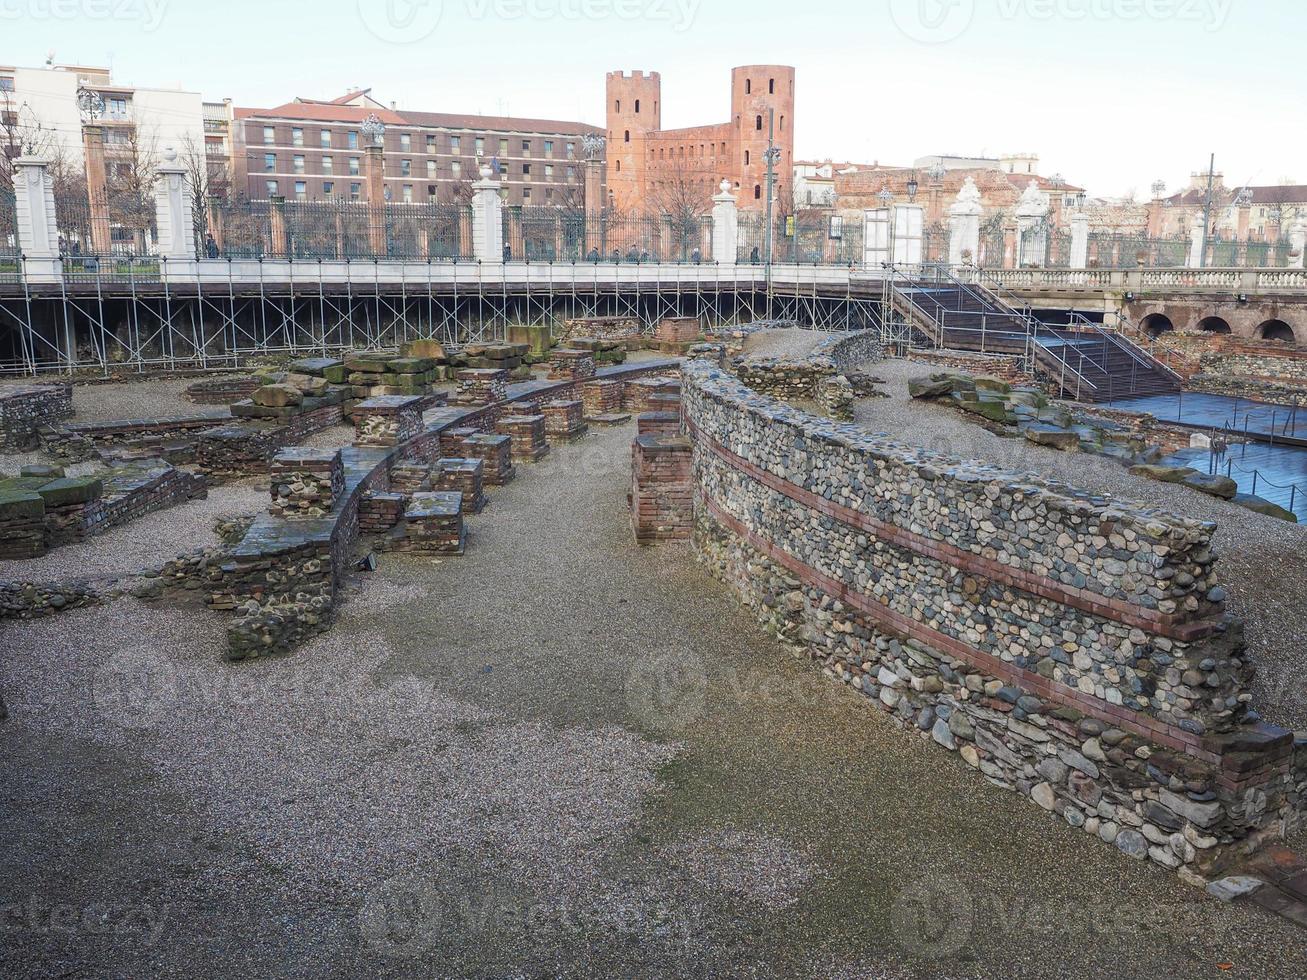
1113, 94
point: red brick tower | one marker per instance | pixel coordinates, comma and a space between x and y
756, 89
634, 111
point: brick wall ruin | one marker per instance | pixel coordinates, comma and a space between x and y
1072, 649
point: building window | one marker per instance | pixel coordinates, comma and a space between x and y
757, 123
549, 193
327, 165
526, 148
352, 140
456, 170
571, 171
431, 169
407, 192
327, 188
272, 188
571, 150
526, 193
836, 226
406, 168
297, 163
549, 169
117, 108
270, 162
324, 138
455, 142
503, 147
619, 166
757, 192
637, 107
432, 193
748, 86
619, 105
405, 142
301, 190
354, 190
481, 145
431, 144
297, 136
549, 148
782, 124
627, 136
746, 158
6, 84
353, 165
526, 169
771, 86
269, 134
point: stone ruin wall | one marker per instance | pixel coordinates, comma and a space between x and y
24, 409
1073, 649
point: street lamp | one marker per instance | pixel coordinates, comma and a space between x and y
913, 187
90, 104
373, 129
886, 197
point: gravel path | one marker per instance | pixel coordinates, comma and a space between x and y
559, 755
146, 542
783, 342
1263, 562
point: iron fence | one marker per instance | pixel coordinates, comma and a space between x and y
337, 230
8, 236
813, 237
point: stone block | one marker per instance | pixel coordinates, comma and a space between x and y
277, 396
71, 490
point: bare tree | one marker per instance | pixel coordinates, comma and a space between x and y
130, 184
21, 134
682, 195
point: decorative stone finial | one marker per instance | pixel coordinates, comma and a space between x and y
169, 154
485, 171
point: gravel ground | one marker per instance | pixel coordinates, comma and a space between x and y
783, 343
146, 542
559, 755
337, 437
155, 398
1263, 561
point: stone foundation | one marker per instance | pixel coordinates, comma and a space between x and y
529, 444
481, 386
464, 476
495, 452
432, 525
1072, 649
387, 420
566, 364
564, 421
601, 398
24, 409
306, 482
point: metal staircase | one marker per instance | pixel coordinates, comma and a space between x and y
1085, 360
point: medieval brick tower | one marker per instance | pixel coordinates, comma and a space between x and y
642, 156
634, 111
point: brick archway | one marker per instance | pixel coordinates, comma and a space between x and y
1277, 330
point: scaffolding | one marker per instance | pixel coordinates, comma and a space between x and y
131, 317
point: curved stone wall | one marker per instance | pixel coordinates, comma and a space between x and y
1074, 648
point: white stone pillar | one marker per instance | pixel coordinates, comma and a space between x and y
1079, 240
964, 226
1032, 227
38, 231
1197, 243
725, 226
1298, 244
487, 220
172, 201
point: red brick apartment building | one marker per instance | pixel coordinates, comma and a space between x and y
647, 164
316, 150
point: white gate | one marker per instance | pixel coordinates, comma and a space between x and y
876, 238
909, 222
